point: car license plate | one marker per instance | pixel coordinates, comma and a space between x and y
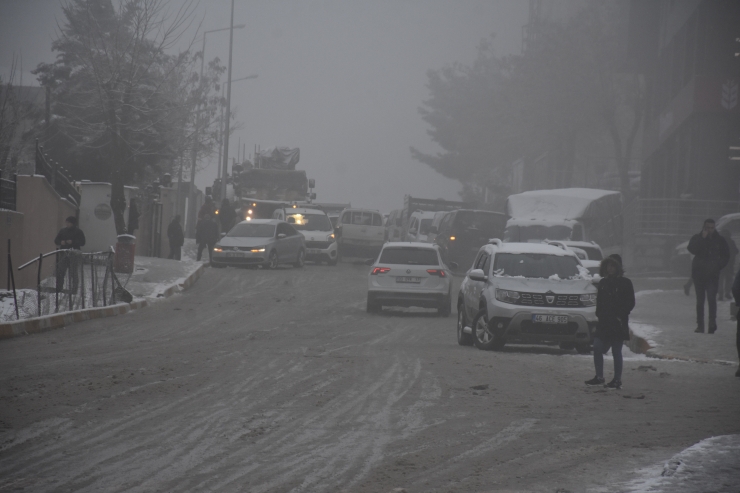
312, 251
234, 254
550, 319
408, 279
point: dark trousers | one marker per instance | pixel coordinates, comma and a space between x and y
601, 348
737, 338
67, 262
706, 288
175, 252
201, 246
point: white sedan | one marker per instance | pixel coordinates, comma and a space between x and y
409, 274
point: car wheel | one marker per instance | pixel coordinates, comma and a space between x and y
272, 261
445, 308
301, 259
373, 307
333, 262
583, 348
483, 336
463, 339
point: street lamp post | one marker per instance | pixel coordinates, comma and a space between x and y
228, 108
221, 122
196, 136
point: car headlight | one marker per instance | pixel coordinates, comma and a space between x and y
507, 296
257, 250
330, 237
218, 249
588, 299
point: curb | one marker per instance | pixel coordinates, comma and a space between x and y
640, 345
50, 322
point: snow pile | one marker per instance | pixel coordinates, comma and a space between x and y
710, 465
647, 332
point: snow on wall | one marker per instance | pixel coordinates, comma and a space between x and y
565, 203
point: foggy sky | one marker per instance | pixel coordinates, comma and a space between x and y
342, 80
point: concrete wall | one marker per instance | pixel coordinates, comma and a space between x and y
11, 227
44, 213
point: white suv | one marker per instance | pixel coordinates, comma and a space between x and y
526, 292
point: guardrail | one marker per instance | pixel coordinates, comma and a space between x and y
56, 177
8, 193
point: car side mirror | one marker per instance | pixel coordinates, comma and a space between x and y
223, 234
453, 265
370, 261
433, 229
412, 232
281, 236
477, 275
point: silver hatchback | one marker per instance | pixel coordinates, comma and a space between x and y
265, 242
409, 274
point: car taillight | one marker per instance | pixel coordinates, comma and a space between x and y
437, 272
380, 270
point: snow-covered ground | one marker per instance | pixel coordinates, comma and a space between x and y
710, 465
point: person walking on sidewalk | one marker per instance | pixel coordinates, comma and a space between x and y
70, 237
710, 257
206, 235
615, 300
736, 295
728, 273
176, 237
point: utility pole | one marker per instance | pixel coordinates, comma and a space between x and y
228, 108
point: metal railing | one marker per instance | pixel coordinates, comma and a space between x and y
55, 177
677, 217
79, 280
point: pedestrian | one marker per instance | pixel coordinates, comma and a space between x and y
711, 254
176, 238
206, 235
615, 300
736, 295
728, 273
226, 215
208, 207
70, 237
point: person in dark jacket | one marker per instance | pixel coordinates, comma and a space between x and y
226, 215
176, 237
70, 237
206, 235
728, 273
208, 207
615, 300
711, 254
736, 295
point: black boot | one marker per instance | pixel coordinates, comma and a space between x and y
699, 329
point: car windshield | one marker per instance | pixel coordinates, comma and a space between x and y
310, 222
407, 255
251, 230
535, 265
593, 253
537, 232
425, 225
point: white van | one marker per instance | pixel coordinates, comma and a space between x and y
419, 226
360, 232
317, 230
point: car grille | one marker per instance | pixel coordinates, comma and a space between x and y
322, 245
540, 299
529, 327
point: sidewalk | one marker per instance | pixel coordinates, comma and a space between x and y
153, 279
666, 319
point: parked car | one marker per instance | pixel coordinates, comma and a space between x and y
436, 222
409, 274
360, 232
316, 227
589, 253
526, 292
462, 233
265, 242
419, 226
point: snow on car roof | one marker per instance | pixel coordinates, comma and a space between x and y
262, 221
305, 212
407, 244
575, 243
564, 203
526, 221
533, 248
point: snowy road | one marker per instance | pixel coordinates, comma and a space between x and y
278, 381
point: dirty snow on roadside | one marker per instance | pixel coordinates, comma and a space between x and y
712, 465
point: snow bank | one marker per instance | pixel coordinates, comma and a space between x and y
647, 332
710, 465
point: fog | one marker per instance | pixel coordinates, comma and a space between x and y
341, 80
